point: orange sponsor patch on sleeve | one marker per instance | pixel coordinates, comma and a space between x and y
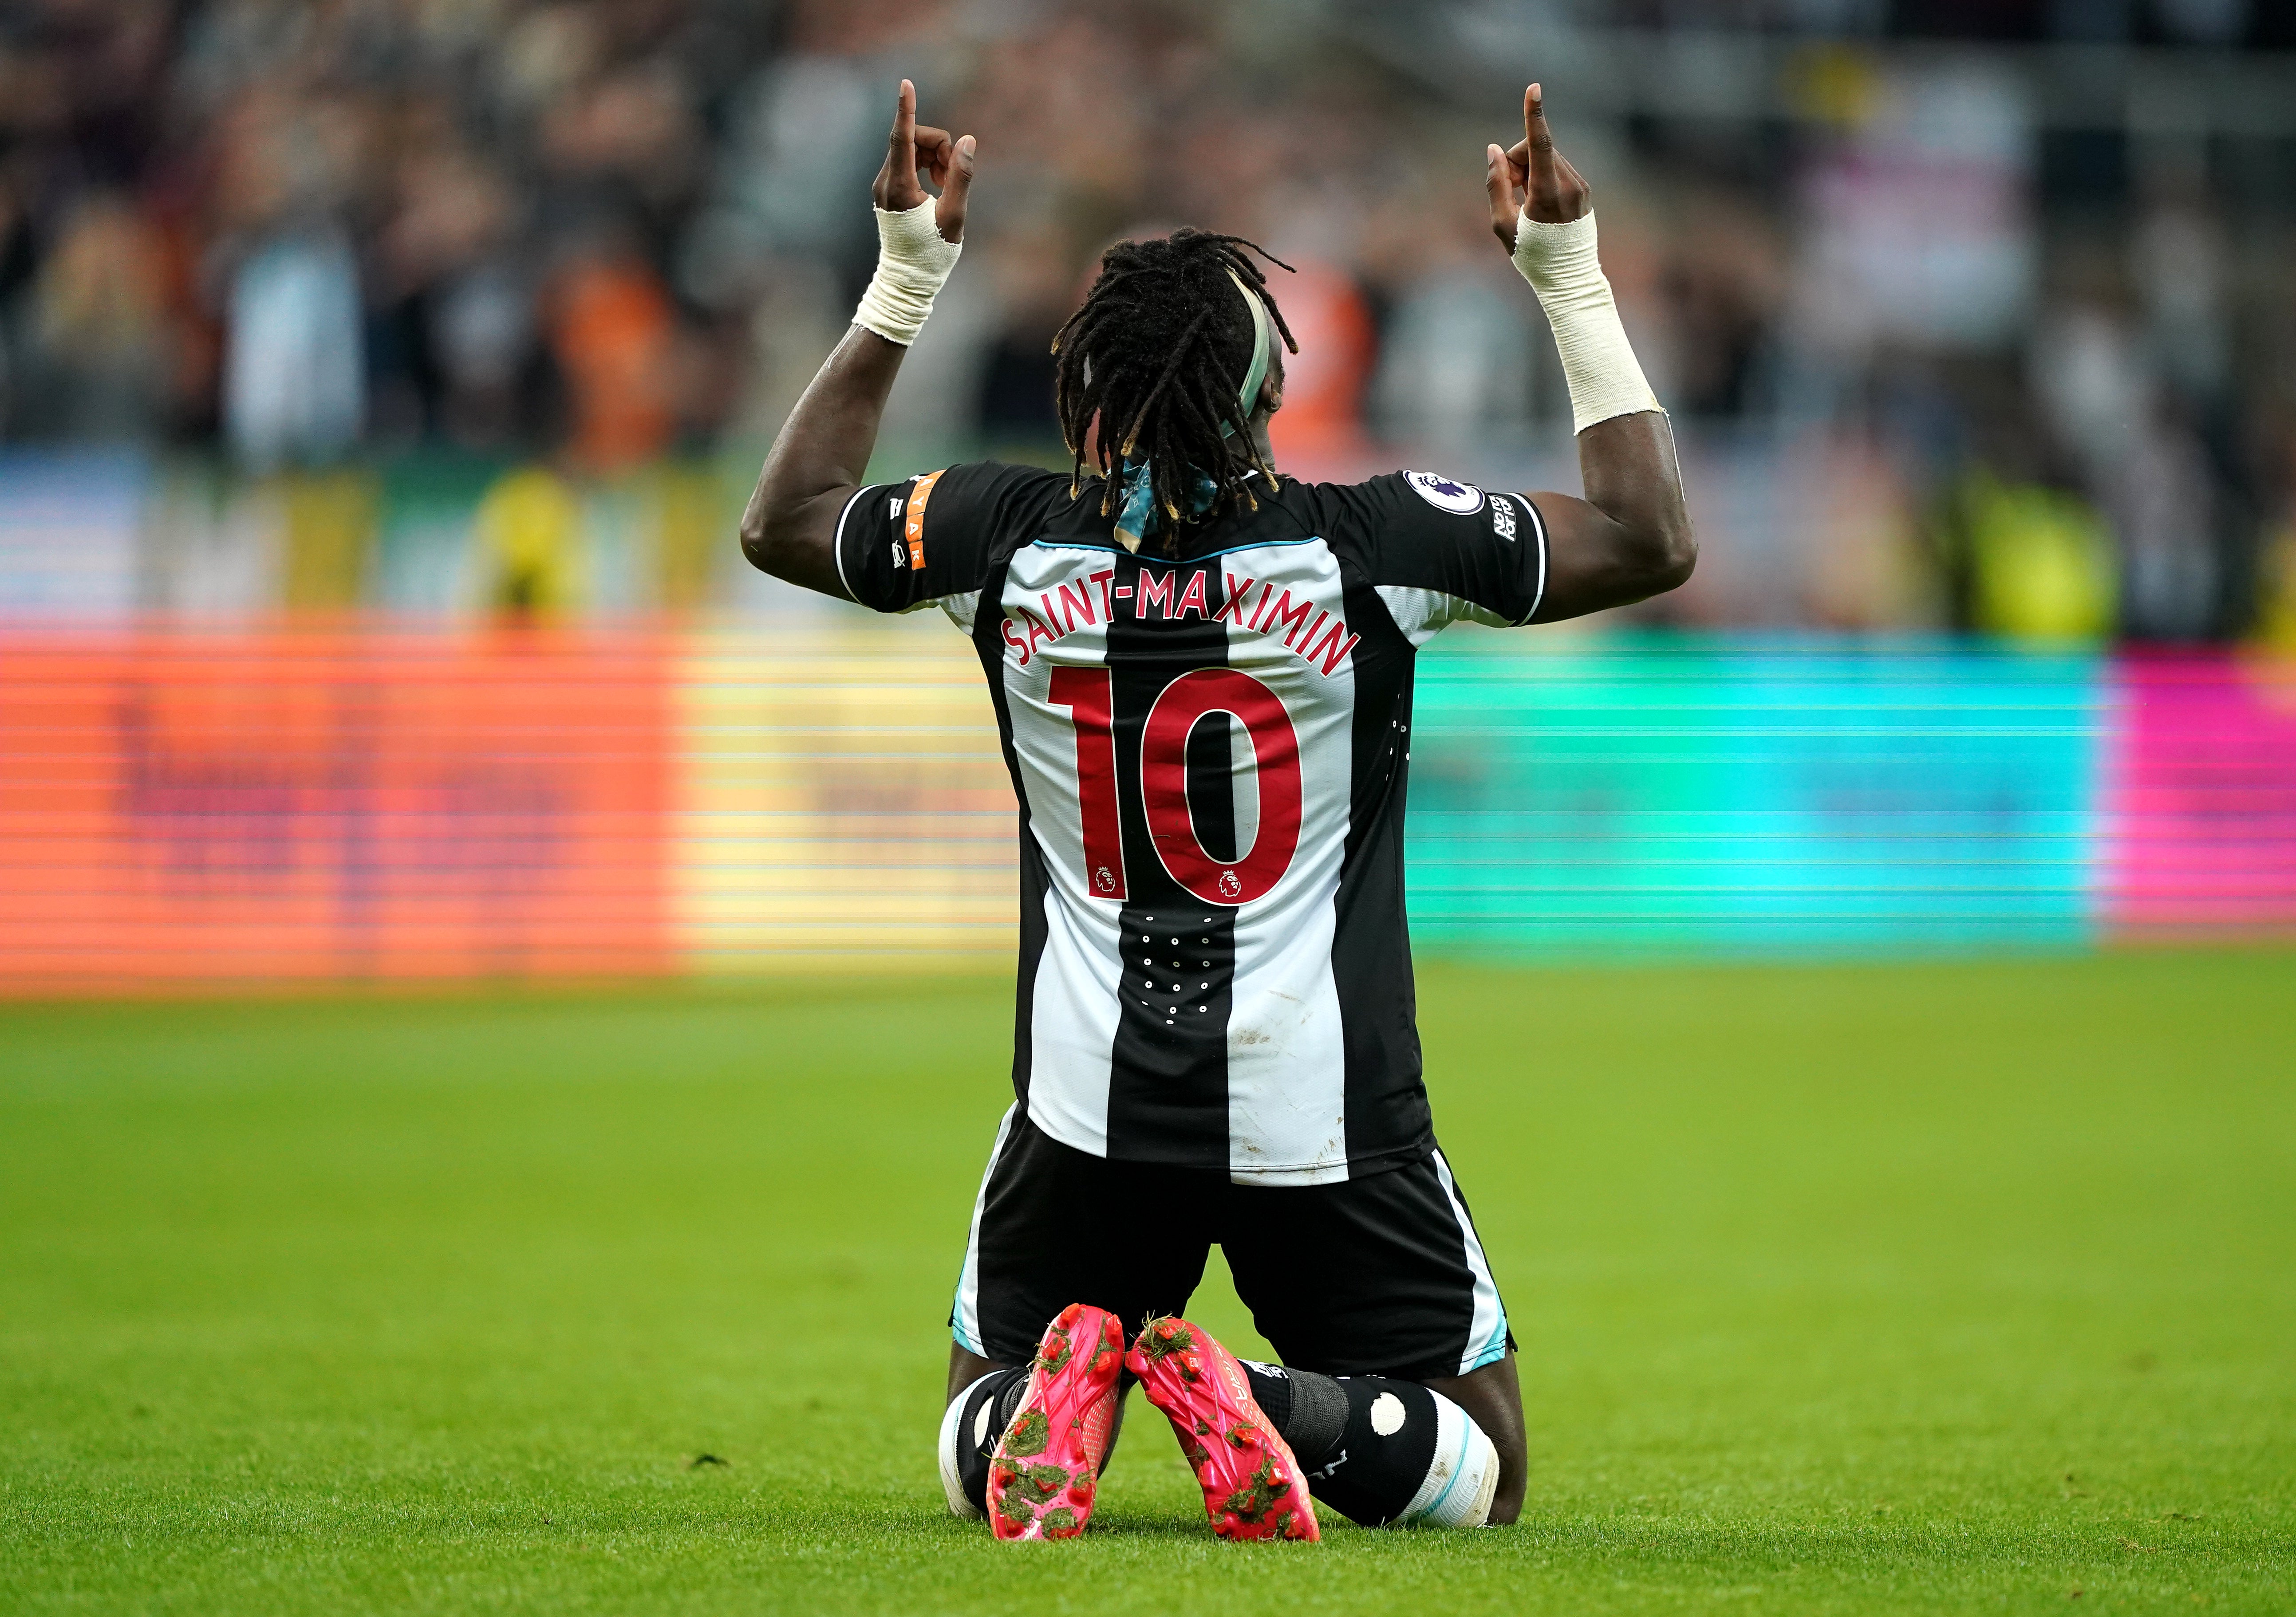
914, 529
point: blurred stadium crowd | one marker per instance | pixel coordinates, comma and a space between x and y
1974, 314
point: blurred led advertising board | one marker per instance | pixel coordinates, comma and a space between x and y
1728, 797
182, 807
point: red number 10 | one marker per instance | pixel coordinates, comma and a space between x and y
1086, 694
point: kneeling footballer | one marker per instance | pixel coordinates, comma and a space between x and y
1202, 673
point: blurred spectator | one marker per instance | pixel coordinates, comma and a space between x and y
1726, 282
95, 362
807, 135
294, 381
1456, 365
530, 526
1031, 277
1865, 568
2148, 471
481, 328
798, 315
294, 386
1320, 429
2163, 501
1457, 360
612, 330
2041, 562
1918, 224
447, 325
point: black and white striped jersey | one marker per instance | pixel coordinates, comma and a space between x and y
1211, 753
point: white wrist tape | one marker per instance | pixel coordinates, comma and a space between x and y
913, 262
1598, 362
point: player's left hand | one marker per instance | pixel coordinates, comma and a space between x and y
1531, 179
948, 163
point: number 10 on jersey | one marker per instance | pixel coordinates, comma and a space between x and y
1088, 695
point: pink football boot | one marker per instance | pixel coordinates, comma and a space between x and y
1042, 1477
1253, 1485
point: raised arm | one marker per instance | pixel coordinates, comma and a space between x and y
1630, 537
822, 453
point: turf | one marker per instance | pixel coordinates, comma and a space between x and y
1877, 1288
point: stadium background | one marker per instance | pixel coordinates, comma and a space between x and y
1855, 987
379, 382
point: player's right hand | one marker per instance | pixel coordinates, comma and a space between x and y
948, 163
1531, 179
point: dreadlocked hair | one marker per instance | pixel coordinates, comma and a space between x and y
1158, 352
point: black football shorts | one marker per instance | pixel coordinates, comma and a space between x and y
1382, 1275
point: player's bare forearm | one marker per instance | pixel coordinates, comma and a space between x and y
822, 453
1630, 537
820, 457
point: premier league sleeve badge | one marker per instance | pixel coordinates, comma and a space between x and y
1446, 493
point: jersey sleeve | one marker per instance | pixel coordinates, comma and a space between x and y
932, 539
1441, 551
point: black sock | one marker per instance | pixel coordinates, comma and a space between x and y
990, 1406
1366, 1443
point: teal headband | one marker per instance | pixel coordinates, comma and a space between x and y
1262, 347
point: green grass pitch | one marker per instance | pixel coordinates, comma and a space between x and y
1919, 1288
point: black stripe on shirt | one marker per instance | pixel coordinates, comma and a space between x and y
1387, 1119
1167, 1078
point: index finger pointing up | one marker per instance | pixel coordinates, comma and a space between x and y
902, 149
1537, 141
